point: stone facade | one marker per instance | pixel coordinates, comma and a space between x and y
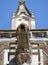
2, 47
23, 28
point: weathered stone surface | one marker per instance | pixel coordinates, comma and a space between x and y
2, 47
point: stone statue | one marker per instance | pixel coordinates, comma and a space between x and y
22, 57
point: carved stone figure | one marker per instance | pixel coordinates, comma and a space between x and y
22, 56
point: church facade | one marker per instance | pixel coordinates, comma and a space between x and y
37, 39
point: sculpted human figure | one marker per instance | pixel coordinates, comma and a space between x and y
21, 57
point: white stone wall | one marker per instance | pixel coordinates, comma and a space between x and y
27, 21
32, 24
34, 59
5, 56
18, 21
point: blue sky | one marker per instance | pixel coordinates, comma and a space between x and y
39, 7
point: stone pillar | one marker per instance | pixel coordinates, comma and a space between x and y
45, 59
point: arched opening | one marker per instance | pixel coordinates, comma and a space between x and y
22, 28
